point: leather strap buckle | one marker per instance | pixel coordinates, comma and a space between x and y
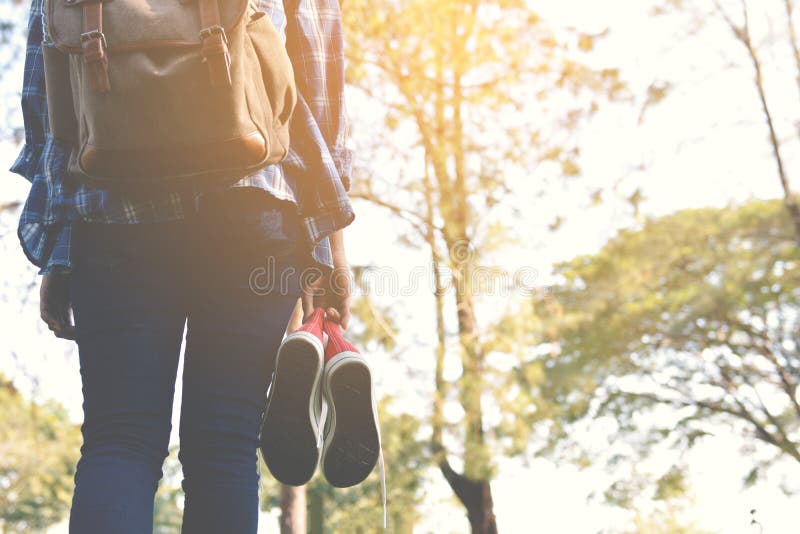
92, 35
214, 30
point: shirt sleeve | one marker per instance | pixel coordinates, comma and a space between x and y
48, 246
59, 260
315, 43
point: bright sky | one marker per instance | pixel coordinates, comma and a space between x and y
705, 145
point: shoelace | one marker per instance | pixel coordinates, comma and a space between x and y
383, 485
323, 415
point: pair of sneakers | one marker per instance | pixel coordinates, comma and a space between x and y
320, 408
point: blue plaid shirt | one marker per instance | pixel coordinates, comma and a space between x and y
315, 176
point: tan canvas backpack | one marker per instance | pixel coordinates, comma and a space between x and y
166, 94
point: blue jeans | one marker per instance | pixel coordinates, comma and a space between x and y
133, 289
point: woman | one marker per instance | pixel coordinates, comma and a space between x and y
135, 270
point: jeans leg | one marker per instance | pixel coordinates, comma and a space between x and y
129, 319
232, 338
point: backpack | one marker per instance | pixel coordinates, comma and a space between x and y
166, 95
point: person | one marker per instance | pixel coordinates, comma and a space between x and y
134, 270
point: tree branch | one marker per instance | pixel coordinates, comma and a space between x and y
793, 38
742, 33
419, 224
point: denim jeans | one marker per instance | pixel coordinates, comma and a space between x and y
134, 288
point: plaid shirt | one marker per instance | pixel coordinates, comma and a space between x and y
315, 176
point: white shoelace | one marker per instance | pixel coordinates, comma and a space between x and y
323, 415
383, 485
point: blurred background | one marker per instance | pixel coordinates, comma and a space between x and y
577, 268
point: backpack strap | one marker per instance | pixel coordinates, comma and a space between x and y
214, 44
94, 45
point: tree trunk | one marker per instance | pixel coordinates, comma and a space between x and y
476, 496
439, 392
793, 38
472, 488
316, 513
789, 200
293, 509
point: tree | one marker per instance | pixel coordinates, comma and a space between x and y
742, 32
462, 80
38, 452
780, 45
293, 509
696, 312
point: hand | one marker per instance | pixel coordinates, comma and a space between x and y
54, 305
331, 290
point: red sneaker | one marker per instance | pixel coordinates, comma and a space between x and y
291, 428
352, 443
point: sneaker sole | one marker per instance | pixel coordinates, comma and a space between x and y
289, 444
353, 443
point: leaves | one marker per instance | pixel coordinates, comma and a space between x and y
696, 311
38, 451
672, 484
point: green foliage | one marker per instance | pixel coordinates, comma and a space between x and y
39, 449
666, 520
375, 325
495, 66
671, 485
696, 311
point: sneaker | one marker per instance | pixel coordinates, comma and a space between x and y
290, 436
352, 442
